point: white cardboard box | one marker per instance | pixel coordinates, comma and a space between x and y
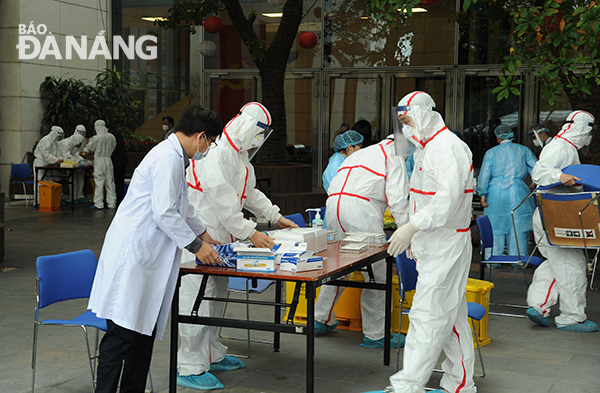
302, 263
255, 259
315, 239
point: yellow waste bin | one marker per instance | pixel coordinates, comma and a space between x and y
347, 309
478, 291
49, 195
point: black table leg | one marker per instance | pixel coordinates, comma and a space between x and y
72, 185
174, 339
277, 335
388, 311
310, 337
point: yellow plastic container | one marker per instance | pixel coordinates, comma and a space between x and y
478, 291
347, 309
396, 307
50, 194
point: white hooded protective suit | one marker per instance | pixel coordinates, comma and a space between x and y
103, 144
366, 183
70, 148
441, 192
47, 152
564, 271
221, 185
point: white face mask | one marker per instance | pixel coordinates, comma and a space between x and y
165, 128
258, 140
536, 143
409, 133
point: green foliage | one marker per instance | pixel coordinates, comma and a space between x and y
72, 101
559, 41
138, 143
188, 14
394, 12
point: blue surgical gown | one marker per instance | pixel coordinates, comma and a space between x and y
501, 181
335, 161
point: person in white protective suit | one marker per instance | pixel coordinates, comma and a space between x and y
103, 144
366, 183
47, 152
139, 264
219, 188
71, 148
437, 236
563, 273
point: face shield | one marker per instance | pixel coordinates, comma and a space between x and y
259, 139
403, 147
587, 142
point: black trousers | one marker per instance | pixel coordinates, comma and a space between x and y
124, 349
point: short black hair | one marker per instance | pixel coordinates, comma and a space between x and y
196, 119
363, 127
169, 120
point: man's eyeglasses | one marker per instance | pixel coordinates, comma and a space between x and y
212, 143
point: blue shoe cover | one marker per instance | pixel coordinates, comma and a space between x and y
227, 364
206, 381
535, 316
94, 207
368, 343
323, 329
83, 200
584, 327
389, 389
64, 202
493, 266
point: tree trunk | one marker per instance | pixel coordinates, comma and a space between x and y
272, 64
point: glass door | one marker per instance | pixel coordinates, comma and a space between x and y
226, 93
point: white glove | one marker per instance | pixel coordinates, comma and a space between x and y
400, 240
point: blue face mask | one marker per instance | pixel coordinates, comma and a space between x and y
198, 155
57, 138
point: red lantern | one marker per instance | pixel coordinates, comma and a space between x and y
212, 24
307, 40
423, 3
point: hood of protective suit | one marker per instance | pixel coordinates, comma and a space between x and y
100, 127
419, 106
241, 131
56, 131
577, 129
77, 138
80, 129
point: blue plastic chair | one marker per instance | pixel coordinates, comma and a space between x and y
298, 218
65, 277
407, 279
18, 172
486, 240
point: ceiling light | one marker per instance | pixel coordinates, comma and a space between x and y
364, 17
416, 9
154, 18
273, 14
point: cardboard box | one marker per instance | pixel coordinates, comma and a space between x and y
255, 259
301, 263
315, 239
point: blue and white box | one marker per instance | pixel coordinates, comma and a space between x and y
255, 259
301, 263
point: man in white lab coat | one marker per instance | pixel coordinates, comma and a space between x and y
139, 263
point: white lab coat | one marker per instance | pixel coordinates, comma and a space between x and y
366, 182
140, 258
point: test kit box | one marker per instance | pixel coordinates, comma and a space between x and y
255, 259
315, 239
295, 263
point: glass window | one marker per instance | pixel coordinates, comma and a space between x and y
161, 84
228, 96
299, 115
354, 99
485, 37
354, 39
233, 54
483, 113
553, 116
